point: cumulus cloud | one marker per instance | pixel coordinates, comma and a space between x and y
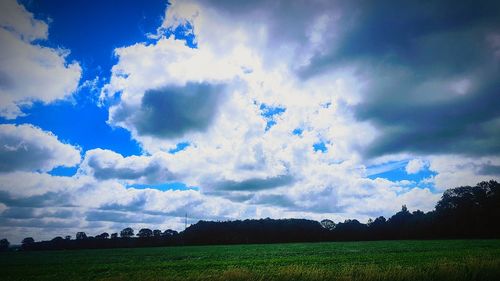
414, 166
44, 205
30, 72
255, 183
374, 89
29, 148
106, 164
234, 153
172, 111
454, 170
431, 84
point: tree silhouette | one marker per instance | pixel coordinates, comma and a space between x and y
4, 244
127, 232
328, 224
81, 235
57, 239
145, 232
28, 241
467, 211
103, 235
462, 212
169, 232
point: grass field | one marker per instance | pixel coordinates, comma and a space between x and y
383, 260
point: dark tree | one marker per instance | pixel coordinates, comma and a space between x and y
169, 232
103, 235
350, 230
462, 212
127, 232
67, 237
145, 232
468, 212
4, 244
57, 239
28, 241
81, 235
156, 233
328, 224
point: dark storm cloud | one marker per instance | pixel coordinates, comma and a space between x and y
104, 173
489, 170
255, 184
48, 199
29, 212
37, 222
466, 124
392, 32
279, 200
430, 68
173, 111
431, 75
123, 217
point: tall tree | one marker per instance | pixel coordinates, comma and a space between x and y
4, 244
127, 232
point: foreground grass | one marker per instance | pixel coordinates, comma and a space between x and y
382, 260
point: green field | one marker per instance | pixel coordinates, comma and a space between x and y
383, 260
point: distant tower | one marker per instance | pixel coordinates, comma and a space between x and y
186, 221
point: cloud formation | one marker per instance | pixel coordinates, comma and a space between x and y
30, 72
29, 148
414, 166
106, 164
172, 111
430, 76
290, 109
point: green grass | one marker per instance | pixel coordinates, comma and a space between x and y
383, 260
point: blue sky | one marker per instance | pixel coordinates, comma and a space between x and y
224, 111
91, 31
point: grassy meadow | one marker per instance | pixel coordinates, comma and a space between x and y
380, 260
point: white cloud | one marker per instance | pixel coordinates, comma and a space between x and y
29, 148
234, 157
242, 170
453, 171
30, 72
414, 166
106, 164
16, 18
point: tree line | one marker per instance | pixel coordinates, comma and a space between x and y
462, 212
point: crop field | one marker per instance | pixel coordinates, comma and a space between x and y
381, 260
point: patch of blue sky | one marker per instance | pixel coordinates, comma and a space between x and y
184, 32
269, 113
91, 35
269, 124
64, 171
179, 147
298, 131
164, 186
320, 146
396, 171
83, 124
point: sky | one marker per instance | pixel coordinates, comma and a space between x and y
136, 113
